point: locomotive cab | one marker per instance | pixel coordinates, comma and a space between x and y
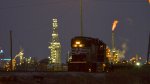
88, 55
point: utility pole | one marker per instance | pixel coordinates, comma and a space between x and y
148, 49
10, 49
81, 18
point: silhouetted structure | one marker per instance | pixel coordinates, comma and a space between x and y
148, 50
11, 49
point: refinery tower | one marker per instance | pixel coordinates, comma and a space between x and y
114, 53
55, 46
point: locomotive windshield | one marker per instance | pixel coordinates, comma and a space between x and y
80, 42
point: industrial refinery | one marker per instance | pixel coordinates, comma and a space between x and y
74, 41
116, 54
87, 54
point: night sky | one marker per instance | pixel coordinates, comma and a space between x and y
31, 23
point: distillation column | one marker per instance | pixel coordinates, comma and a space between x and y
114, 54
55, 46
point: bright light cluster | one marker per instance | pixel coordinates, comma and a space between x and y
78, 44
55, 52
55, 46
1, 51
138, 64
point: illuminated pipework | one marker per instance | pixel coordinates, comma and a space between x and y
55, 46
20, 55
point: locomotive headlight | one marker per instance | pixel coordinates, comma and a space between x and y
81, 45
78, 42
75, 45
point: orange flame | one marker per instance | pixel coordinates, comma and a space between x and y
149, 1
114, 25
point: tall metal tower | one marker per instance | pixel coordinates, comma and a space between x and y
114, 53
148, 50
113, 40
55, 46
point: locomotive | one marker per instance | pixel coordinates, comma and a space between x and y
87, 55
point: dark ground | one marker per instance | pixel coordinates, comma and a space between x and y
136, 75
